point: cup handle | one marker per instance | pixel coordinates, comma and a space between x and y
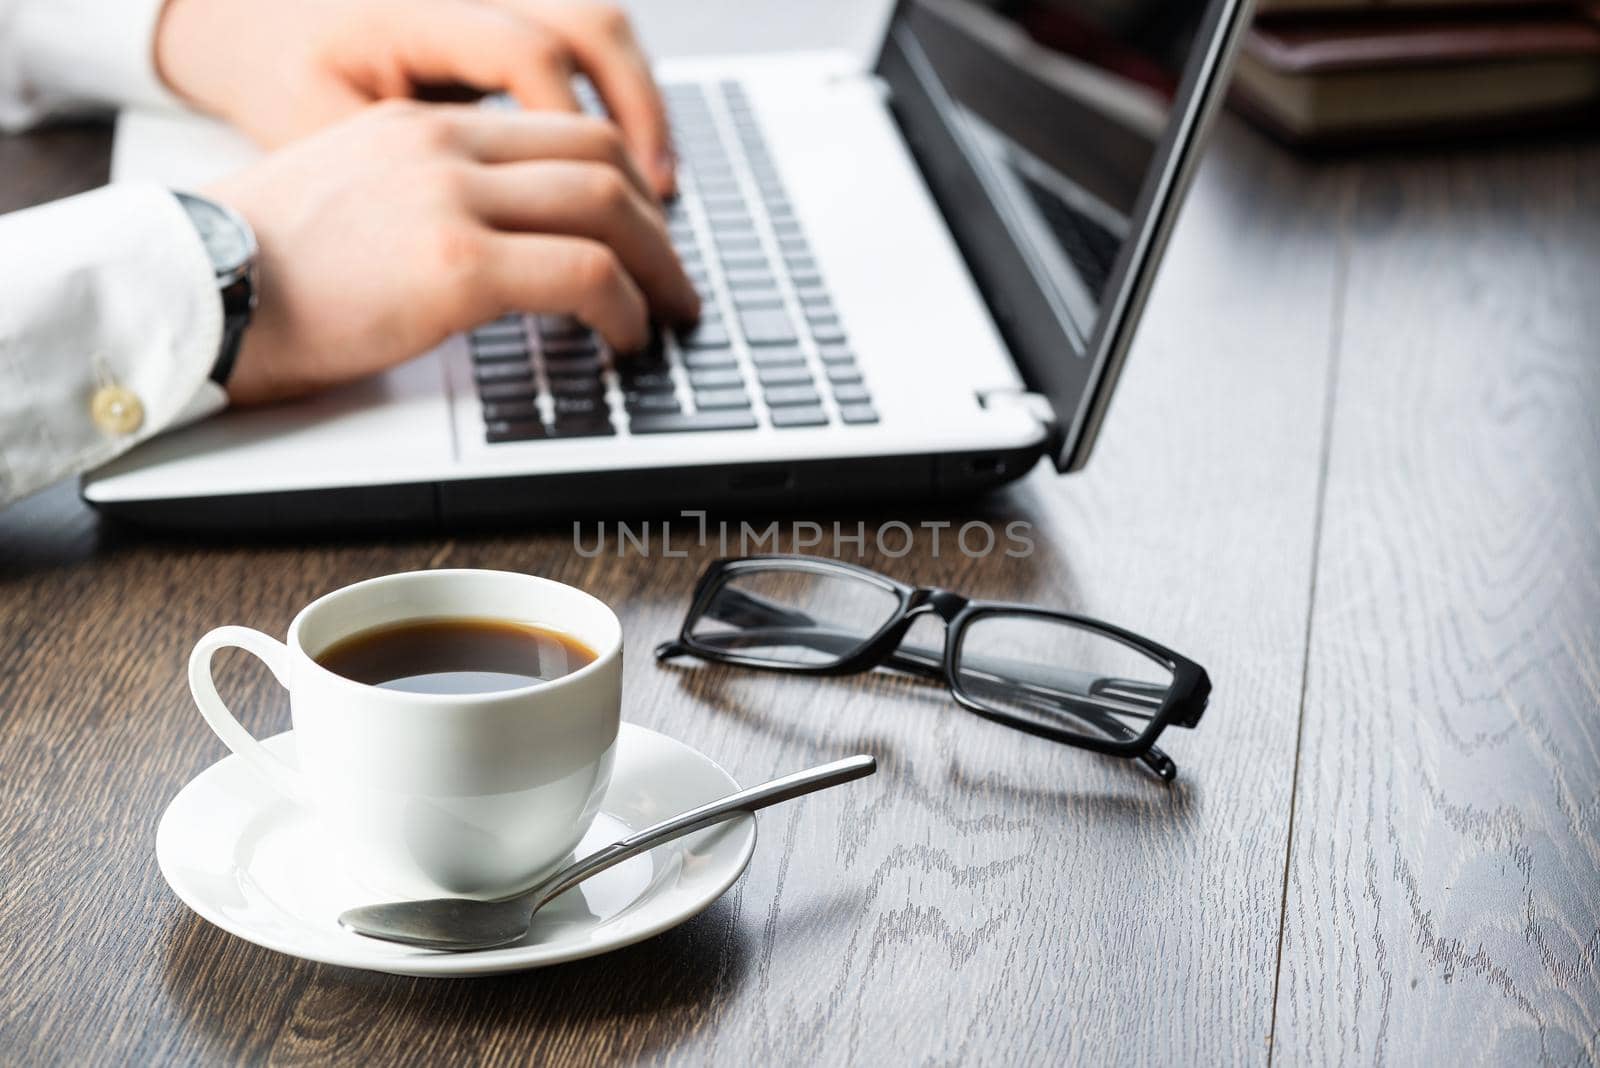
281, 775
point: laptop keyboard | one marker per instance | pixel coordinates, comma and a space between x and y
769, 349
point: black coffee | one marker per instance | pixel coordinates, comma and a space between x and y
456, 656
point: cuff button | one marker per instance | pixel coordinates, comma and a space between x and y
116, 410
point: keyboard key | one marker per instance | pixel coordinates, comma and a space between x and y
559, 327
638, 363
587, 406
744, 263
510, 411
514, 430
651, 402
570, 348
768, 326
828, 334
759, 278
784, 376
716, 379
796, 417
744, 245
706, 336
652, 350
498, 331
683, 422
646, 381
756, 300
782, 356
593, 427
489, 373
858, 414
705, 360
836, 352
842, 374
575, 386
852, 393
582, 366
715, 399
789, 396
508, 391
735, 237
497, 352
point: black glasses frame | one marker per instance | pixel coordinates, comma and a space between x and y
1182, 706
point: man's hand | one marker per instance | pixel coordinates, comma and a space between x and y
280, 69
389, 232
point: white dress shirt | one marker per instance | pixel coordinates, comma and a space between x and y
110, 319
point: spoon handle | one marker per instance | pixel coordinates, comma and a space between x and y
757, 797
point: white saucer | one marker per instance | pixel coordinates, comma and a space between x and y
260, 867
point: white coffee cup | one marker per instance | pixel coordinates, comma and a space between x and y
471, 794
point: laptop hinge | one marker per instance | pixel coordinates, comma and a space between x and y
1036, 405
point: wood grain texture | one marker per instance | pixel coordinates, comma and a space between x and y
1444, 893
51, 163
987, 897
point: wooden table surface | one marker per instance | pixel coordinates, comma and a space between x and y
1354, 469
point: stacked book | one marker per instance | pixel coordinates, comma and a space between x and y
1344, 72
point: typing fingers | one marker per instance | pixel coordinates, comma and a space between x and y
567, 276
595, 201
602, 42
511, 137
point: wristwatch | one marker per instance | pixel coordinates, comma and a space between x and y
231, 245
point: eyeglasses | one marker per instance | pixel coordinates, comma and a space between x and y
1052, 674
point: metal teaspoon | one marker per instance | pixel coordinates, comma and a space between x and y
462, 924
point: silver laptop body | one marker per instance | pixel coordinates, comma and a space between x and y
920, 278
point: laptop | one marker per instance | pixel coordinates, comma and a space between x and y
921, 275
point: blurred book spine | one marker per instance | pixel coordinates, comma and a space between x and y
1349, 72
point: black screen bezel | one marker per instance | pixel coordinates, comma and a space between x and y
1077, 380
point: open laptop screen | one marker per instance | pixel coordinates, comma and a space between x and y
1052, 131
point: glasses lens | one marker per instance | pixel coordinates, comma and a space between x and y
794, 615
1060, 676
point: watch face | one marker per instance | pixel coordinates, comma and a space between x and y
226, 241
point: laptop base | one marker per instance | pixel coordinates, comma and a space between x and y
544, 499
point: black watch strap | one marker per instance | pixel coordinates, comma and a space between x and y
238, 303
231, 246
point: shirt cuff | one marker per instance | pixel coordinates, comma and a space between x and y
108, 333
78, 55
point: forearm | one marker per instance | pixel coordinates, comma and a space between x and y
108, 331
73, 57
